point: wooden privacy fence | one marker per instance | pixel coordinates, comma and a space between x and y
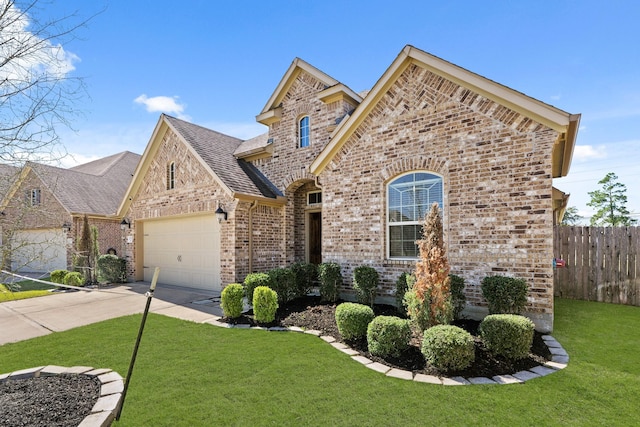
601, 264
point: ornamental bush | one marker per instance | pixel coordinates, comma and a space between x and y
305, 275
402, 286
330, 281
283, 281
111, 269
365, 282
448, 347
458, 299
508, 335
265, 304
506, 295
73, 279
388, 336
231, 300
57, 276
352, 320
252, 281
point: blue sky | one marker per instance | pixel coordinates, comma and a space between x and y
217, 63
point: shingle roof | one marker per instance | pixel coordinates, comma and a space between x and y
92, 188
259, 141
216, 149
8, 175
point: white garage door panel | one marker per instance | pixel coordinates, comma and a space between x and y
187, 250
39, 251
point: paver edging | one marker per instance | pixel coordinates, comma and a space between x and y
559, 361
109, 399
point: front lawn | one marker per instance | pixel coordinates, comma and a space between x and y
12, 293
193, 374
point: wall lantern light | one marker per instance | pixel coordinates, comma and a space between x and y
220, 214
125, 223
66, 227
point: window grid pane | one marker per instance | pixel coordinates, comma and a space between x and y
304, 131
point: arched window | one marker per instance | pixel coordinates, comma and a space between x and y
171, 175
409, 198
303, 132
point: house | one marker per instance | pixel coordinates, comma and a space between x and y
347, 177
44, 206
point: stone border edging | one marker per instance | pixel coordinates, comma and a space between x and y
559, 360
111, 387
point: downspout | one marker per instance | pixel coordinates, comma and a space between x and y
253, 206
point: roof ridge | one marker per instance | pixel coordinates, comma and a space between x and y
201, 127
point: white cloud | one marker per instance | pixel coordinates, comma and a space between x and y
555, 97
589, 152
162, 104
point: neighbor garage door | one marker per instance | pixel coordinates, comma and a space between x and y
38, 251
187, 250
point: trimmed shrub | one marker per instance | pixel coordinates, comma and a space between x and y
352, 320
57, 276
305, 274
448, 347
265, 304
231, 300
252, 281
111, 269
73, 279
458, 299
416, 310
283, 281
402, 286
388, 336
507, 335
330, 281
505, 295
365, 282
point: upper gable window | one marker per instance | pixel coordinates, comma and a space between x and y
33, 197
303, 132
171, 175
409, 198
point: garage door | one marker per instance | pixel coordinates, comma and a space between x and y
187, 250
38, 251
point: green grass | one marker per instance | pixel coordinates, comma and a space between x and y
8, 295
190, 374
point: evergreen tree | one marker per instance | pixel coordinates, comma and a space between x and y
571, 216
610, 203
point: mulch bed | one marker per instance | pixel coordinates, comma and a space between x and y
310, 313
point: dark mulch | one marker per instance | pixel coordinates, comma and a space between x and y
310, 313
60, 400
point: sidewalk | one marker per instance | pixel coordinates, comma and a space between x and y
34, 317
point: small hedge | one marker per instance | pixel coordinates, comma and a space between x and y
305, 275
365, 282
388, 336
330, 281
111, 269
231, 300
458, 299
352, 320
448, 348
402, 286
507, 335
283, 281
506, 295
73, 279
57, 276
252, 281
265, 304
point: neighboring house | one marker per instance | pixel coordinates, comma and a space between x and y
44, 208
347, 178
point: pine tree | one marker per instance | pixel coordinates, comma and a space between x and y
610, 203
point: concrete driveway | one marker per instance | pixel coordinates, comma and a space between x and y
34, 317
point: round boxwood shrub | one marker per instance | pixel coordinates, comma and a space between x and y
73, 279
507, 335
448, 347
265, 304
231, 300
252, 281
505, 295
57, 276
388, 336
365, 282
283, 281
352, 320
306, 274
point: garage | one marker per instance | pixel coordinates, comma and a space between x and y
38, 251
186, 249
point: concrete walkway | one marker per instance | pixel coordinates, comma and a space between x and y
34, 317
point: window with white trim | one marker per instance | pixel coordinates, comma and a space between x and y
33, 197
171, 175
409, 198
303, 132
314, 198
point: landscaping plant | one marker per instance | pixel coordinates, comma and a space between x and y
402, 285
353, 319
265, 304
388, 336
330, 281
73, 279
283, 281
365, 282
429, 300
57, 276
507, 335
231, 300
252, 281
448, 347
111, 269
306, 274
506, 295
458, 299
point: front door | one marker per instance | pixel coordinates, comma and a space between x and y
315, 237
